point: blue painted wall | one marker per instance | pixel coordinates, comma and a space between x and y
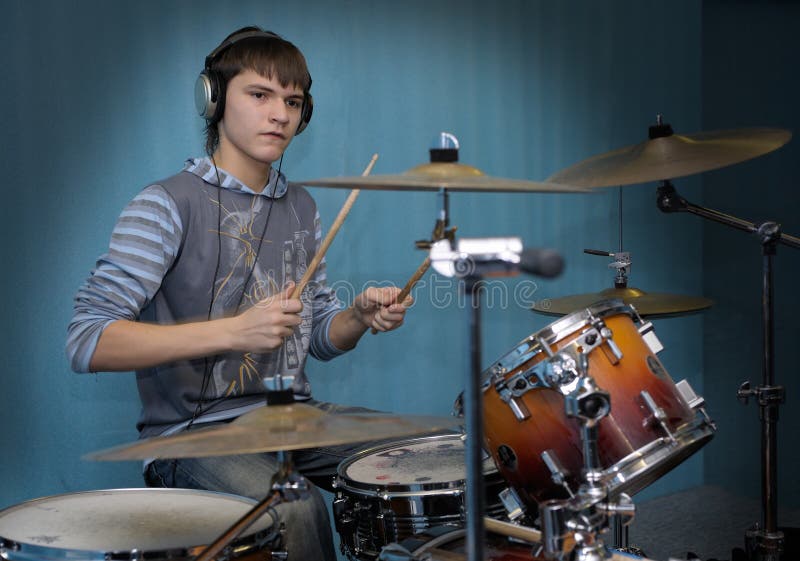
98, 103
750, 54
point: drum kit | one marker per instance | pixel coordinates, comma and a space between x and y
559, 431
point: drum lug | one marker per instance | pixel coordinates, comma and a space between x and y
610, 348
382, 529
647, 331
519, 409
557, 472
344, 522
512, 503
658, 415
507, 395
694, 401
688, 394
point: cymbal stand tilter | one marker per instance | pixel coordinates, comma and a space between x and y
622, 262
764, 542
287, 485
588, 512
622, 259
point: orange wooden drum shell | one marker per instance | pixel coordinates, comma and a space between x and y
628, 427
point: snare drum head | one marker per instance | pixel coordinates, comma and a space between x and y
126, 520
433, 462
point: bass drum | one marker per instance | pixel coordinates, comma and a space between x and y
131, 524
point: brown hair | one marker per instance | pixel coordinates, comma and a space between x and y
268, 55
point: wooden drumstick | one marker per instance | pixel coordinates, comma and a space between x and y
532, 535
410, 284
348, 204
413, 280
512, 530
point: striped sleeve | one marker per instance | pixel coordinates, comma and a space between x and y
325, 305
144, 244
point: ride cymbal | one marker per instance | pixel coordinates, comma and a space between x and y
277, 428
443, 175
672, 155
651, 305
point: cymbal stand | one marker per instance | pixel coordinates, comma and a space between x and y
588, 512
764, 542
287, 486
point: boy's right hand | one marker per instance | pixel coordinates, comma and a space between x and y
265, 326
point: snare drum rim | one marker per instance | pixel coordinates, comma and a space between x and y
344, 483
25, 550
553, 333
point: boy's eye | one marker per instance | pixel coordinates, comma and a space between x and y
258, 95
293, 103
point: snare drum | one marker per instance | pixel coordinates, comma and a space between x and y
653, 424
122, 524
390, 492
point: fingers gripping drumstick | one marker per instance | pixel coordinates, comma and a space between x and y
410, 284
348, 204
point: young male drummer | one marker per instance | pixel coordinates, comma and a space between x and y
194, 293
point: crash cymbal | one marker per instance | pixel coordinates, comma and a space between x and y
671, 156
277, 427
443, 175
652, 305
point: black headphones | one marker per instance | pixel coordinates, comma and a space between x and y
209, 89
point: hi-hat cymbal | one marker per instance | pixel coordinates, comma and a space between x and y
651, 305
672, 156
277, 427
443, 175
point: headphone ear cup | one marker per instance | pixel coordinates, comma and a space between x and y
207, 95
305, 116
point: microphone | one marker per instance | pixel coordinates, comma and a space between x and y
545, 263
474, 257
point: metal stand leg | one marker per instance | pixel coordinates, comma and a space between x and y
619, 533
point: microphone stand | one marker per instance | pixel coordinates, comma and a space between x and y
473, 408
470, 260
764, 543
473, 404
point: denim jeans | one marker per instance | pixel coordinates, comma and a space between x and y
308, 535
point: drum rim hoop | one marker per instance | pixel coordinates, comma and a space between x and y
529, 347
344, 482
244, 544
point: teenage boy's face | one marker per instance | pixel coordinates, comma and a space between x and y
261, 116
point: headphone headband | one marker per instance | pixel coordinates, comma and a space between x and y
235, 38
